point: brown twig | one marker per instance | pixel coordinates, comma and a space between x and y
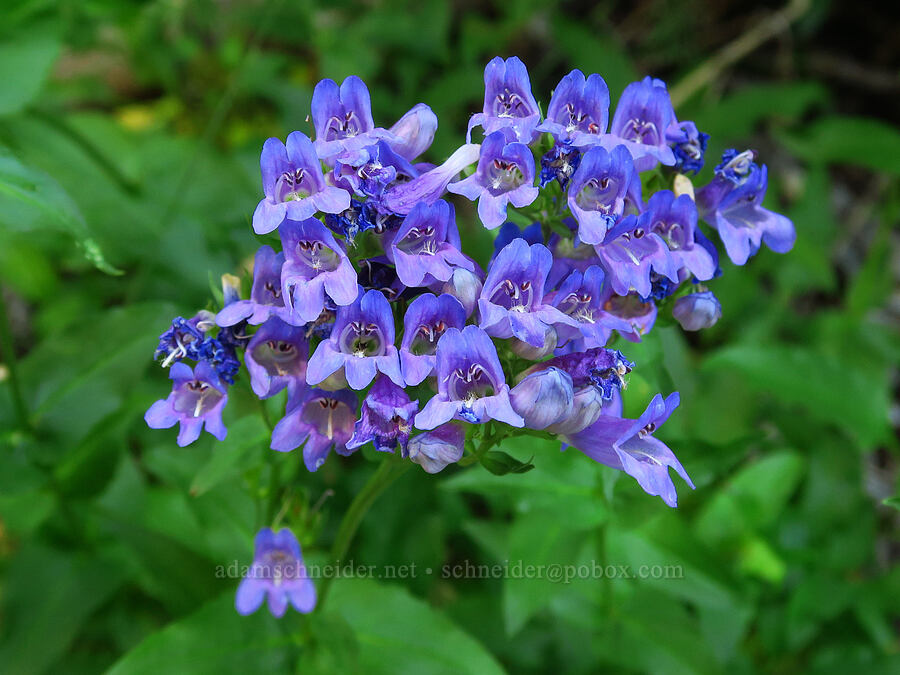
737, 49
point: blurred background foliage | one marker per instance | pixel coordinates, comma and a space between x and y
129, 140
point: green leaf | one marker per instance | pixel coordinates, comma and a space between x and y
31, 200
542, 541
500, 464
244, 436
849, 140
49, 597
214, 640
808, 378
753, 499
400, 634
735, 116
892, 501
566, 481
25, 62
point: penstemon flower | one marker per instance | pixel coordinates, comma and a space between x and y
505, 175
294, 185
277, 573
528, 344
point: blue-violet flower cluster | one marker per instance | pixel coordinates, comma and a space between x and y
383, 329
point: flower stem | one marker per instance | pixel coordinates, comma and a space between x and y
389, 470
9, 355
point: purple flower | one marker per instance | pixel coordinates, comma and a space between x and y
361, 342
277, 572
435, 449
183, 338
426, 248
675, 220
427, 319
641, 120
350, 222
378, 274
315, 264
637, 313
598, 191
508, 101
470, 381
372, 169
543, 397
197, 399
732, 203
603, 368
512, 300
431, 185
505, 174
697, 310
386, 417
509, 231
319, 418
293, 184
629, 445
265, 295
343, 117
580, 296
414, 132
465, 286
597, 377
276, 358
631, 251
688, 144
579, 109
559, 164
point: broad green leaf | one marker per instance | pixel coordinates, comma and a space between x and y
753, 499
401, 634
539, 544
849, 140
214, 640
561, 480
797, 375
244, 436
759, 559
500, 464
25, 62
735, 116
32, 200
49, 596
653, 633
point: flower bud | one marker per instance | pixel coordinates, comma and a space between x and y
466, 287
435, 449
532, 353
587, 405
231, 289
697, 311
543, 397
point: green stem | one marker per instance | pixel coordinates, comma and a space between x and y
486, 444
389, 470
274, 490
9, 354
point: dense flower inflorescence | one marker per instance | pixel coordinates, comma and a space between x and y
370, 247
